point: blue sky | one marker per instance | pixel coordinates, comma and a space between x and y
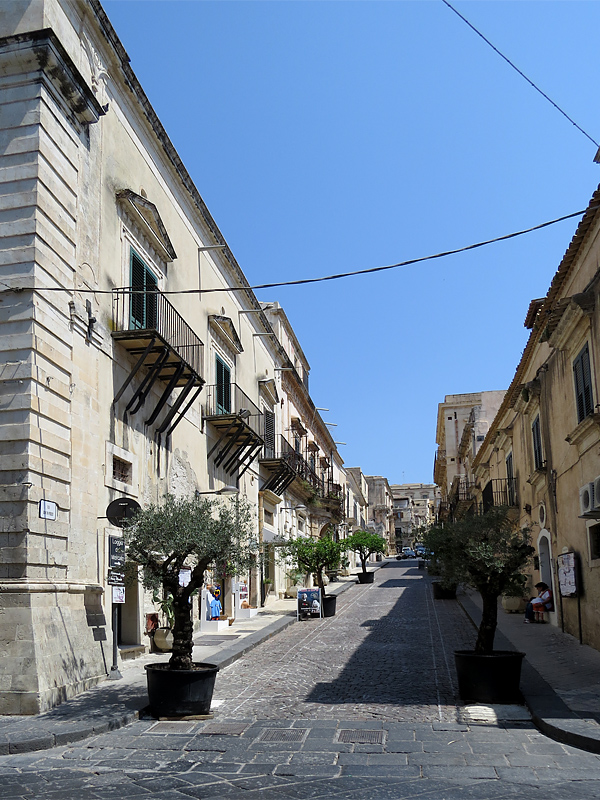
332, 136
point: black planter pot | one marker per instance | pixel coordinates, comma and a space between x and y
329, 602
490, 677
365, 577
180, 693
442, 593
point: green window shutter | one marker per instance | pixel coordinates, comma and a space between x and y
223, 387
144, 285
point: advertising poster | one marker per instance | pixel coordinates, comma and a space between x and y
309, 603
567, 574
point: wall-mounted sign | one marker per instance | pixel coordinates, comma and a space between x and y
116, 551
47, 509
185, 576
118, 594
116, 578
567, 574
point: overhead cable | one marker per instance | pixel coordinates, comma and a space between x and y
522, 74
303, 281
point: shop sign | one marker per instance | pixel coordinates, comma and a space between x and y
116, 578
309, 603
116, 552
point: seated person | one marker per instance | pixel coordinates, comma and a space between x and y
542, 602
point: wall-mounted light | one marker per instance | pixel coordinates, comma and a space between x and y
224, 490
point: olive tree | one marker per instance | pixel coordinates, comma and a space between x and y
487, 552
192, 533
365, 544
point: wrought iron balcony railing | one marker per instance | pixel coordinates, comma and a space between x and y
500, 492
139, 314
228, 400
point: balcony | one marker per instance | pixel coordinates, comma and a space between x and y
332, 498
282, 461
239, 424
500, 492
148, 326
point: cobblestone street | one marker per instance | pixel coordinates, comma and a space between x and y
383, 656
359, 705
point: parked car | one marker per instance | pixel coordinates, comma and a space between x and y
408, 552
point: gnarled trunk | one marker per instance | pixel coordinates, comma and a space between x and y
489, 621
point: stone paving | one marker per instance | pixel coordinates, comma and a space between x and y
359, 705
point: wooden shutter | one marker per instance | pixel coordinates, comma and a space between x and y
269, 434
138, 285
537, 444
223, 387
583, 384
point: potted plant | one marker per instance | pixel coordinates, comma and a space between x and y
487, 552
365, 544
315, 556
163, 635
174, 543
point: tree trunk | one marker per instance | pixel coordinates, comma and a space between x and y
320, 583
489, 620
183, 631
363, 562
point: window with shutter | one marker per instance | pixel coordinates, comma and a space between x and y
269, 434
144, 286
510, 480
583, 384
223, 387
538, 460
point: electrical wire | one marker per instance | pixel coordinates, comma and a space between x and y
522, 74
303, 281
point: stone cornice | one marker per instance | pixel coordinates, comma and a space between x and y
41, 52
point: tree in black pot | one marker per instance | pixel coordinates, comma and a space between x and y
365, 544
314, 557
174, 543
487, 552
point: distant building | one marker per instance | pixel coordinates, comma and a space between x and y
415, 506
381, 510
462, 423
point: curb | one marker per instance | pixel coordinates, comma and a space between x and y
49, 734
548, 712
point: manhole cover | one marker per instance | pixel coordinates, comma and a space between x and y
361, 737
171, 727
283, 735
224, 729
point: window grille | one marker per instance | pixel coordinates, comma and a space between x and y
121, 470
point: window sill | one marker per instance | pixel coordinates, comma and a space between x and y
586, 434
537, 479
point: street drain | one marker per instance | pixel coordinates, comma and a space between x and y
225, 729
283, 735
171, 727
361, 737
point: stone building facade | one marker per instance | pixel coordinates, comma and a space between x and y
541, 455
114, 384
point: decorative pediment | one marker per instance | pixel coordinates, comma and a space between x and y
570, 314
225, 328
146, 216
268, 389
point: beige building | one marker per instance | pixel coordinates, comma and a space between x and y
415, 506
541, 454
462, 423
381, 510
116, 381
